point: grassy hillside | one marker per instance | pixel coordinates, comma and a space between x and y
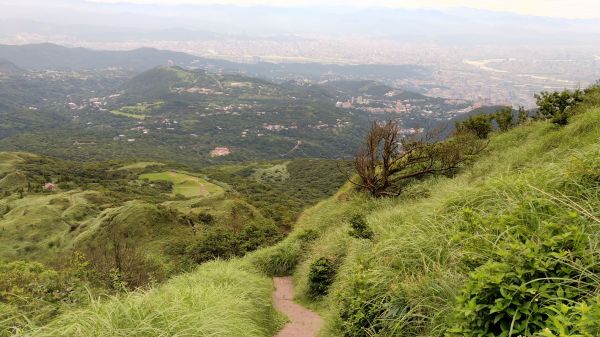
111, 227
184, 184
220, 299
508, 245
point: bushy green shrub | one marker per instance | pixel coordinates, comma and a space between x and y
215, 243
576, 320
480, 125
33, 293
222, 243
359, 228
321, 276
206, 218
504, 118
515, 294
557, 106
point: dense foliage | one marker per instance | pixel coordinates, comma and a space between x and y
556, 106
321, 276
282, 190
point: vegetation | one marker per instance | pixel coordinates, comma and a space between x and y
359, 228
385, 161
557, 106
320, 277
282, 190
480, 125
219, 299
184, 184
503, 246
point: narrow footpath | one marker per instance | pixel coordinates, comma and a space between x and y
303, 322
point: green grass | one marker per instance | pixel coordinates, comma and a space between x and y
184, 184
38, 227
127, 114
417, 256
138, 111
8, 160
220, 299
141, 165
420, 245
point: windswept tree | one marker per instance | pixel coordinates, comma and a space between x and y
386, 159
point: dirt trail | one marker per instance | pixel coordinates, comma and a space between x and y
304, 323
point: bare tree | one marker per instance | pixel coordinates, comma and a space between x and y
386, 159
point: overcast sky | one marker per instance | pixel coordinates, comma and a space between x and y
555, 8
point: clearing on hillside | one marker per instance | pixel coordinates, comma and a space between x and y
141, 165
185, 184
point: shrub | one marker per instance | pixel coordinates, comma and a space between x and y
206, 218
31, 293
577, 320
480, 125
214, 243
504, 118
557, 106
360, 229
257, 235
320, 277
516, 294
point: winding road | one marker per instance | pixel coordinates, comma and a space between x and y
303, 322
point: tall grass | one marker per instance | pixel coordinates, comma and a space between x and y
415, 266
220, 299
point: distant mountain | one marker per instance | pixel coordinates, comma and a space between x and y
9, 69
51, 56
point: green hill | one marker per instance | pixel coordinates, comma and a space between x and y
508, 246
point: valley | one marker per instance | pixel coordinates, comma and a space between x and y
170, 113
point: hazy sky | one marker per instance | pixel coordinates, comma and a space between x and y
555, 8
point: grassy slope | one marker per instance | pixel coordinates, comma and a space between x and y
419, 239
43, 226
220, 299
184, 184
419, 243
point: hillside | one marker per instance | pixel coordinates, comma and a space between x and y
8, 68
72, 229
508, 244
52, 56
171, 113
176, 114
